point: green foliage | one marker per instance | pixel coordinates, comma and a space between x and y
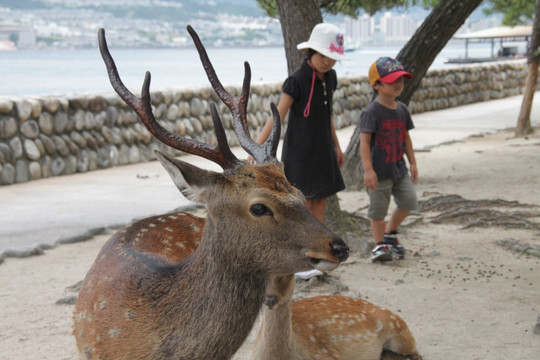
515, 12
352, 7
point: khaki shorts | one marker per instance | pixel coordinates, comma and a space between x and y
379, 199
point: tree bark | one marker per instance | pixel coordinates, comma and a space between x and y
416, 56
297, 18
523, 126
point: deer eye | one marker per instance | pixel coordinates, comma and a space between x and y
260, 210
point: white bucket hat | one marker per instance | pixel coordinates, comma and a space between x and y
327, 40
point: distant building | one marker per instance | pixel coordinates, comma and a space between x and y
359, 31
397, 29
389, 29
27, 39
22, 37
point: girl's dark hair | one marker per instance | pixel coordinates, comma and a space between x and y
310, 53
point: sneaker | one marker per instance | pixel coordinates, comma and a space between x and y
381, 252
392, 241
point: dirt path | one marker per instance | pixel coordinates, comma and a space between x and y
463, 293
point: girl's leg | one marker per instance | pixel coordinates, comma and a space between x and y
317, 208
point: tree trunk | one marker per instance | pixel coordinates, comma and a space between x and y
294, 30
416, 56
523, 126
430, 38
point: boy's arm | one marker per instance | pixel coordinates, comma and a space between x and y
409, 151
370, 177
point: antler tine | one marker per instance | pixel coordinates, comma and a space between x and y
237, 105
220, 154
271, 144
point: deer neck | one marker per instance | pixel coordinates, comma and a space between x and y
276, 338
221, 299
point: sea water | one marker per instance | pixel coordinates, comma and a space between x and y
60, 72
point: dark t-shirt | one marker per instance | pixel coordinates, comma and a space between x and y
308, 150
389, 135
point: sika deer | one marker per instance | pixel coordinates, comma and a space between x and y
139, 301
329, 327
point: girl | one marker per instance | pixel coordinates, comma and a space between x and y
311, 152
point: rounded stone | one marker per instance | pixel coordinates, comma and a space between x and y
98, 103
112, 115
82, 161
8, 127
92, 160
134, 155
90, 140
31, 150
46, 123
78, 119
57, 167
24, 109
8, 174
46, 164
78, 139
6, 153
17, 147
172, 112
6, 106
60, 122
34, 169
30, 129
71, 165
51, 105
103, 159
36, 107
116, 136
89, 121
73, 149
60, 145
22, 173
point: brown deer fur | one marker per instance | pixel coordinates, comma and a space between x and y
329, 327
145, 298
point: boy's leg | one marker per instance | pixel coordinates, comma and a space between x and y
406, 200
395, 220
377, 230
379, 201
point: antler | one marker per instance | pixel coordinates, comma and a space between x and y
238, 106
220, 154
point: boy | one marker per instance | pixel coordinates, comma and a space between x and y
384, 139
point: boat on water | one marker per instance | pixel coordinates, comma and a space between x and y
505, 37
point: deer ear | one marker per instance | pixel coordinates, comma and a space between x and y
189, 179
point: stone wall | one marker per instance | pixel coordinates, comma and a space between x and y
53, 136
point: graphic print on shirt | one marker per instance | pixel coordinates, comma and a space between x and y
391, 139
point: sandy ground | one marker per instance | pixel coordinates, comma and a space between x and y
462, 295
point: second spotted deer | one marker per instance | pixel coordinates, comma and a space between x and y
329, 327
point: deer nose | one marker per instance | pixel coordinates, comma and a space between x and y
339, 249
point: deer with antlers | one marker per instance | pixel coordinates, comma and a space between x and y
179, 287
329, 327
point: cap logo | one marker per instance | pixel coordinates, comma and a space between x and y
389, 66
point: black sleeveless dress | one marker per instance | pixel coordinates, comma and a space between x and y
308, 151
